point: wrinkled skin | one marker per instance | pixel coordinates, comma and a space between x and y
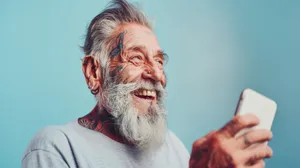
219, 149
140, 54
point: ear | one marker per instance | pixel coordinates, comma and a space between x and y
92, 72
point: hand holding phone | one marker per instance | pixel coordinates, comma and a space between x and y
261, 106
237, 143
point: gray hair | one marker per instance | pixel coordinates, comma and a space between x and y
145, 129
100, 31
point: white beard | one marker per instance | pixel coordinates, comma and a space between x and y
145, 129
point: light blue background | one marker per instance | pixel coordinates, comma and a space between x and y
216, 49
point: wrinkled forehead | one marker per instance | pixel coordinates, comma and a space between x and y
137, 35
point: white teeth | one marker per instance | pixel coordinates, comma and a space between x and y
150, 93
146, 93
153, 93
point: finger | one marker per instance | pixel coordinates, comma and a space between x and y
254, 136
258, 153
200, 141
258, 164
238, 123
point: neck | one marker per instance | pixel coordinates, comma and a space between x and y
101, 121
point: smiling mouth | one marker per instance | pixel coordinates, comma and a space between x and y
145, 94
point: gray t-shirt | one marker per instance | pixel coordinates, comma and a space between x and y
73, 146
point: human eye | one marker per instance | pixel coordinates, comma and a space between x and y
160, 62
137, 59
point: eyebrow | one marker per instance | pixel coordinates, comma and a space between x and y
162, 54
142, 48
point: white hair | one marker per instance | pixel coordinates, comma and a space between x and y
145, 129
100, 31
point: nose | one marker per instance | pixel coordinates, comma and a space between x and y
153, 73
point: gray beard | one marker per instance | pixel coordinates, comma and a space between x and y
145, 129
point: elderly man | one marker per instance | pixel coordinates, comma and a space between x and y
124, 69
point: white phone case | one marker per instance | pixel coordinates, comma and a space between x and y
261, 106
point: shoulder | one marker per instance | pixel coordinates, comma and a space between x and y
51, 139
50, 147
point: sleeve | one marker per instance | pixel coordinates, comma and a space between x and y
50, 147
43, 159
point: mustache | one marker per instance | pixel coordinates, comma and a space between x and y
129, 88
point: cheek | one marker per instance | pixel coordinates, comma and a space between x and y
114, 64
164, 80
130, 73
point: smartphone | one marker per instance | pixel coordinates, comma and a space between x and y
263, 107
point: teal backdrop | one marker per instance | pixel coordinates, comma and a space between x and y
216, 49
